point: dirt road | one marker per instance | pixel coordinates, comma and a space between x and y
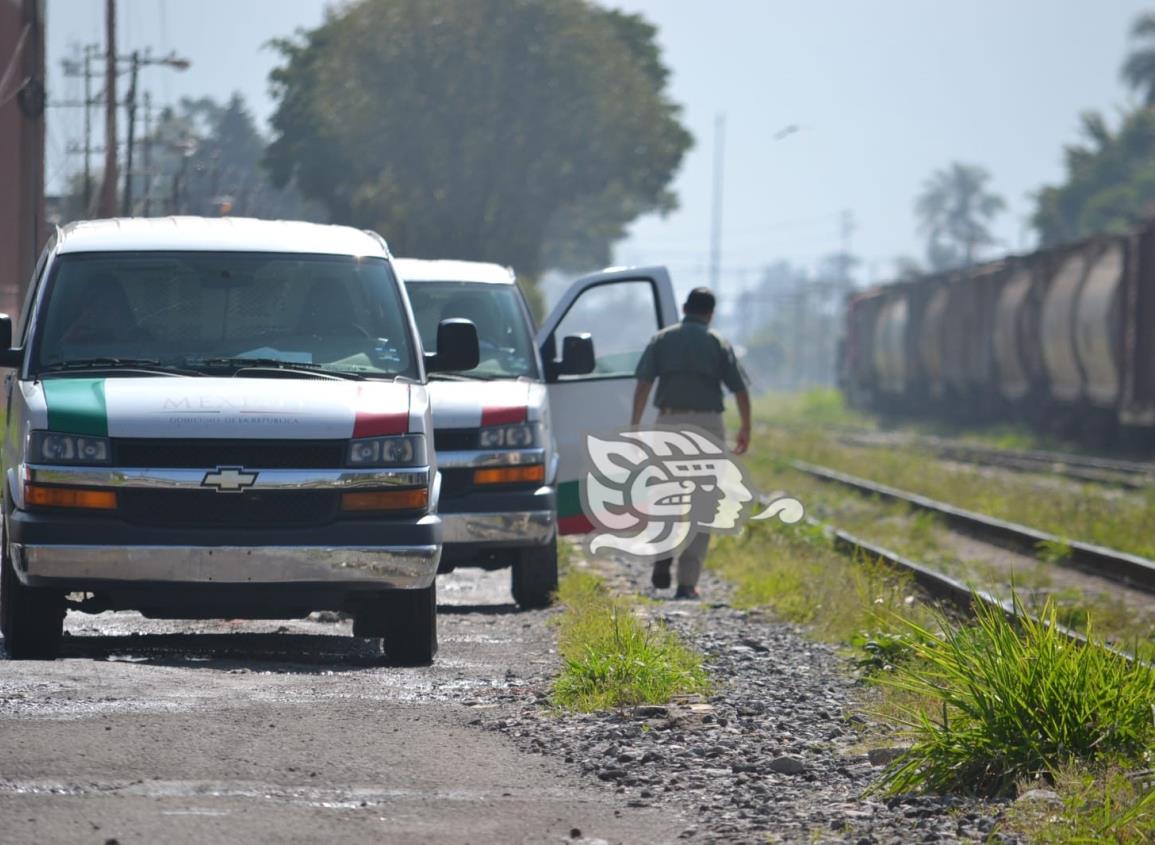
151, 731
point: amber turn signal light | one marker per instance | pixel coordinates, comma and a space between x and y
509, 475
386, 500
69, 497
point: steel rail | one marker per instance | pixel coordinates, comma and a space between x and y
1120, 473
942, 587
1122, 567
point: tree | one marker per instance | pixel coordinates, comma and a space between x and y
207, 160
907, 267
1138, 69
528, 132
954, 210
1110, 184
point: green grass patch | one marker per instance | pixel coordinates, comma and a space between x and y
823, 406
989, 706
794, 570
1089, 513
826, 407
1109, 805
611, 657
1017, 702
1054, 551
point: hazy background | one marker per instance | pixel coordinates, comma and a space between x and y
882, 93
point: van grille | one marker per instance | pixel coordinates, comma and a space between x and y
205, 453
455, 439
456, 482
206, 508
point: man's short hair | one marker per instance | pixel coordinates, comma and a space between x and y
700, 301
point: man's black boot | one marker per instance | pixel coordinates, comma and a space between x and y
660, 577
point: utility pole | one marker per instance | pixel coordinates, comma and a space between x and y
82, 67
111, 178
147, 155
22, 104
801, 358
846, 227
126, 205
716, 213
88, 51
136, 62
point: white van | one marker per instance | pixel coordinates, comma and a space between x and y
509, 433
220, 418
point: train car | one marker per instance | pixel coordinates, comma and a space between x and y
1063, 339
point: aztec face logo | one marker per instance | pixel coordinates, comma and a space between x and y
649, 492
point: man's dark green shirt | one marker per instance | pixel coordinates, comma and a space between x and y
690, 363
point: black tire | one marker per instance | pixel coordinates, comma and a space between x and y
533, 578
31, 620
406, 620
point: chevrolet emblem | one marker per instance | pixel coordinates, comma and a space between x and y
229, 479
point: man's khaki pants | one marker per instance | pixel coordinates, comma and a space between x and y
691, 560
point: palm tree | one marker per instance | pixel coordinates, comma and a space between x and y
1138, 69
954, 210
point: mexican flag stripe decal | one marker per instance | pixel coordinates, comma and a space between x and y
570, 517
380, 420
76, 406
569, 500
507, 415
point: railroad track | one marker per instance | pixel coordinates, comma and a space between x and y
1121, 567
1121, 473
939, 586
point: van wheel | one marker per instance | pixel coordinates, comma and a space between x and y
406, 620
31, 620
533, 578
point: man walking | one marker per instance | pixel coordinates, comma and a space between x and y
690, 363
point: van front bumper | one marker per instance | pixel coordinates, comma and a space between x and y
79, 553
523, 528
500, 519
385, 567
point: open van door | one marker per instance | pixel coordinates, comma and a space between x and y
621, 310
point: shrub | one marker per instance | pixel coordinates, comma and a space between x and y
611, 658
1019, 701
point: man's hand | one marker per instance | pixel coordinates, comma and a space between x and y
641, 394
743, 441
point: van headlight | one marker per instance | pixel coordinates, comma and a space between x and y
519, 436
405, 450
48, 447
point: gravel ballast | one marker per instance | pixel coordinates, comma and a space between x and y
776, 753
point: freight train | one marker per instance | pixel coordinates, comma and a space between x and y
1062, 339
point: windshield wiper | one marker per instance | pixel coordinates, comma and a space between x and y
465, 376
239, 364
149, 365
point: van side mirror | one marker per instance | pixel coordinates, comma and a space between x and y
9, 357
457, 347
577, 355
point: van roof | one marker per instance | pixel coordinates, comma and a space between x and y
422, 270
218, 234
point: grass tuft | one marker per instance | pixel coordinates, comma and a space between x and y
613, 659
1108, 805
1055, 551
794, 570
1018, 702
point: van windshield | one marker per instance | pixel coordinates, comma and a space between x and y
213, 311
503, 330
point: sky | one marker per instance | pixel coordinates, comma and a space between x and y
881, 92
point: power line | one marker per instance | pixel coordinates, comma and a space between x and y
716, 212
